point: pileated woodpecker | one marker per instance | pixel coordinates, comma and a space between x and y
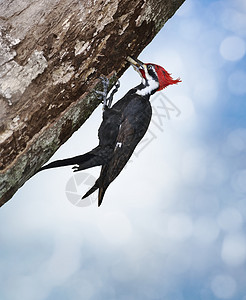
123, 126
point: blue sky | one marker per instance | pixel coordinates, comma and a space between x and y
172, 225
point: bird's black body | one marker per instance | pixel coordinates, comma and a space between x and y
123, 126
135, 118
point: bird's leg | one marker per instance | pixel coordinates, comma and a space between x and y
107, 101
104, 92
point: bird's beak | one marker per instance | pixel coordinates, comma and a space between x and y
137, 65
135, 62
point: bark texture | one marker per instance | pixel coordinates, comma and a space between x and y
51, 56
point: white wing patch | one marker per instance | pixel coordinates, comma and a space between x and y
118, 145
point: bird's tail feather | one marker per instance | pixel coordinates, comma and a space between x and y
101, 193
69, 161
91, 190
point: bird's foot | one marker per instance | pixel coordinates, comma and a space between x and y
107, 102
103, 94
76, 168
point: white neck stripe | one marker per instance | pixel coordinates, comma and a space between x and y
152, 85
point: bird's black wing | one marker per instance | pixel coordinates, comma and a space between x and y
132, 129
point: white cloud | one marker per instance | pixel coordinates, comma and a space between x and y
233, 251
234, 19
206, 231
238, 181
223, 286
236, 82
230, 219
236, 142
232, 48
180, 227
115, 227
179, 262
194, 169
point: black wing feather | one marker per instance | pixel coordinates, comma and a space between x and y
131, 132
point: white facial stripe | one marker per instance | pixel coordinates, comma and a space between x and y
143, 81
150, 83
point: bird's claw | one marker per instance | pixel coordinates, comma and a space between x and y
103, 94
107, 101
75, 168
117, 85
99, 93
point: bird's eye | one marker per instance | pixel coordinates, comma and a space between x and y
150, 67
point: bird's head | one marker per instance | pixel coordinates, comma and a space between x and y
153, 75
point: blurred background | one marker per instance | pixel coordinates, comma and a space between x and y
172, 225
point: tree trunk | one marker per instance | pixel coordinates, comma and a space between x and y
51, 56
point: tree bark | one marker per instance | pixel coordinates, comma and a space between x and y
51, 56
